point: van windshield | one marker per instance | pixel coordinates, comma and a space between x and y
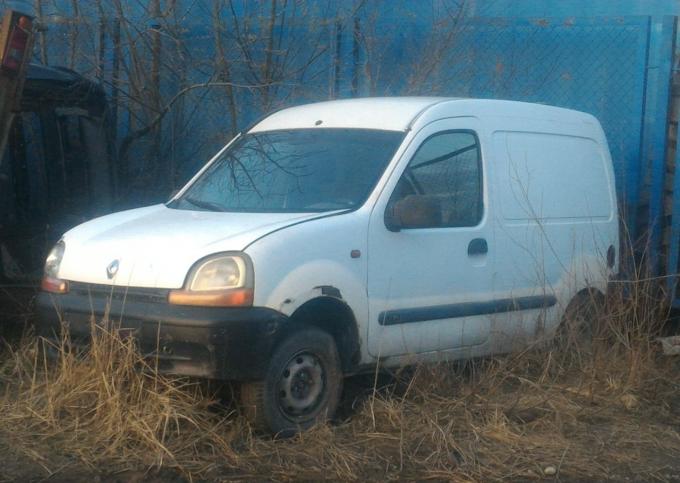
300, 170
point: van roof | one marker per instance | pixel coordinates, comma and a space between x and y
400, 113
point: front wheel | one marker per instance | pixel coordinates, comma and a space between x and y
301, 387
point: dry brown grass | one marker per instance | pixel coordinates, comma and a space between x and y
606, 412
107, 406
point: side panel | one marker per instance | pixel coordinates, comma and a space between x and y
556, 219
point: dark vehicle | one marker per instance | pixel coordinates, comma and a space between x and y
57, 170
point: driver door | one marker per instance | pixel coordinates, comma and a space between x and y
428, 282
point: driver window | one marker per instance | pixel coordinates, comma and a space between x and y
446, 172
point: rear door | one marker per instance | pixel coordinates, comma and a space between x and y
428, 286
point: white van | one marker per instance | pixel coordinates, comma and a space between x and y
337, 236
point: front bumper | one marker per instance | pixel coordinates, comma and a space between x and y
210, 342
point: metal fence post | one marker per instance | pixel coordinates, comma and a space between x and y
654, 142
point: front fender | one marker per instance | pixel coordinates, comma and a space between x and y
315, 279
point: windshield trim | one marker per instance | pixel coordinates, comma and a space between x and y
200, 172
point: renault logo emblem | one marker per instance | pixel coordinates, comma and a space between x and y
112, 269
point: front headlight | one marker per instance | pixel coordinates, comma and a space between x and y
51, 281
219, 273
53, 260
221, 280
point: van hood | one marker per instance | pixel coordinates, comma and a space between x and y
156, 246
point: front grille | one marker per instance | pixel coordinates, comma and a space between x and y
132, 294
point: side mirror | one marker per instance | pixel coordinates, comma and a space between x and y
413, 211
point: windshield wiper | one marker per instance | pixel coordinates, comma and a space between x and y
206, 205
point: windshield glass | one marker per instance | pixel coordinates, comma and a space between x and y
301, 170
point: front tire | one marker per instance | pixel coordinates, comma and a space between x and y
302, 385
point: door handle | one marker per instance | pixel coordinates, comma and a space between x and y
478, 246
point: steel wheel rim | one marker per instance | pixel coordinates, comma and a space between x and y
301, 385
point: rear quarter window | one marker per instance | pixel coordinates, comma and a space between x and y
551, 177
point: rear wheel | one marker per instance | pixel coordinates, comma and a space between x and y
302, 385
579, 323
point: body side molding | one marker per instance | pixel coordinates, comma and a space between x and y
465, 309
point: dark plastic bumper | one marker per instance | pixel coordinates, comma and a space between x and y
209, 342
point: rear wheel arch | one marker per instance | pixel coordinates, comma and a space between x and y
588, 294
581, 314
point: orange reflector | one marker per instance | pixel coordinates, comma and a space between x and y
54, 285
214, 298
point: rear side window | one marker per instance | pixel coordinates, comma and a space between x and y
446, 169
